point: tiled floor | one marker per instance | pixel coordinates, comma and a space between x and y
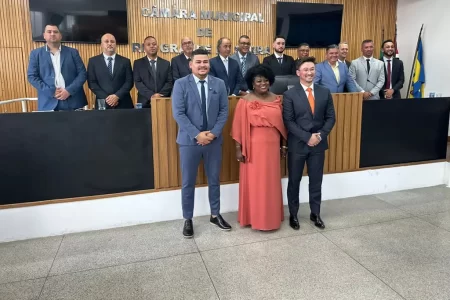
387, 246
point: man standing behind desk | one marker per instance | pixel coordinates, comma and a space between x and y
58, 74
200, 108
332, 74
227, 69
244, 57
368, 72
309, 116
152, 74
110, 76
180, 63
394, 72
281, 64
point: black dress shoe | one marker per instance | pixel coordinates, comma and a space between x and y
220, 222
317, 221
293, 222
188, 229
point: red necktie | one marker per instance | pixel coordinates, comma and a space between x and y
388, 79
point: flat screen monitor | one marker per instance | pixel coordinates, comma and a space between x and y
80, 21
319, 25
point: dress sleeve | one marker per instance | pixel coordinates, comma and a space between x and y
240, 128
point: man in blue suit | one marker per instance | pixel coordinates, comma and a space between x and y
334, 75
58, 74
227, 69
200, 108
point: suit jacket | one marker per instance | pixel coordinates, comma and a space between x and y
103, 85
287, 66
325, 77
251, 61
372, 82
41, 75
347, 63
187, 111
234, 82
145, 82
397, 78
301, 123
180, 67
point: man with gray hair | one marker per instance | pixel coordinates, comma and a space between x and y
227, 69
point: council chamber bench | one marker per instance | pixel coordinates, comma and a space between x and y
69, 156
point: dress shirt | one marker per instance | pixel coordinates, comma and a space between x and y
225, 62
385, 59
56, 62
149, 61
335, 70
112, 61
199, 88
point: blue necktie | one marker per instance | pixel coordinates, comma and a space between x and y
110, 66
203, 96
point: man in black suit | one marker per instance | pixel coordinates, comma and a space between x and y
180, 63
302, 51
280, 63
110, 76
309, 116
394, 73
152, 74
227, 69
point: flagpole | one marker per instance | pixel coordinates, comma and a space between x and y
414, 61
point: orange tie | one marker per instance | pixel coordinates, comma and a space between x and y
310, 99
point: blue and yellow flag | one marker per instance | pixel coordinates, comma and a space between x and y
418, 82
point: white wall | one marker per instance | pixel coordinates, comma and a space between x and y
435, 38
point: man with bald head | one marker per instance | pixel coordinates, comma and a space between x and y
110, 76
180, 63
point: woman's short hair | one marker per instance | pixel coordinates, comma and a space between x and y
259, 70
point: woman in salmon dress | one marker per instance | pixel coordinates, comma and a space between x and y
260, 137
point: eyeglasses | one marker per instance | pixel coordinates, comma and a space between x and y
245, 44
186, 43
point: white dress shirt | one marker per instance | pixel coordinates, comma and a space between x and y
225, 62
149, 61
112, 62
385, 59
56, 62
306, 87
199, 87
279, 56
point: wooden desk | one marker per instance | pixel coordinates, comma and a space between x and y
343, 155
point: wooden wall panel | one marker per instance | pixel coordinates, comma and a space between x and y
362, 19
342, 156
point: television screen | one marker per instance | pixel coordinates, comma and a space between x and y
83, 21
319, 25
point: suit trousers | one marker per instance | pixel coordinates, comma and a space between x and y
296, 162
190, 157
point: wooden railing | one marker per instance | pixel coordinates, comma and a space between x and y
342, 156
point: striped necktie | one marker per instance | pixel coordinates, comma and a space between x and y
244, 66
110, 69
